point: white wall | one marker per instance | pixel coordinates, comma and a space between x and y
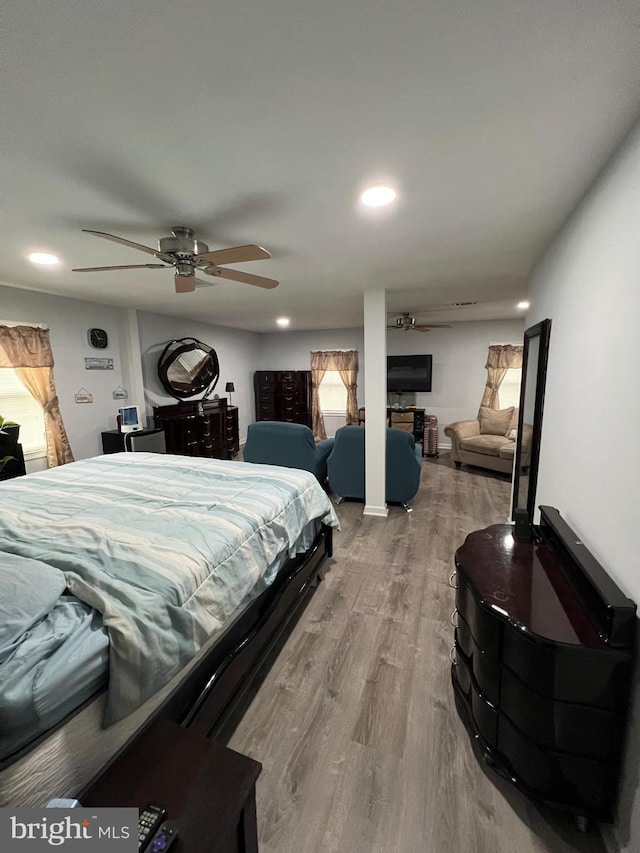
237, 355
589, 285
459, 356
68, 321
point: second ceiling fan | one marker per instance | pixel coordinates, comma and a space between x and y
406, 322
187, 255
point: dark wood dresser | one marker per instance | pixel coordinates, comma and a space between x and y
283, 395
206, 428
542, 663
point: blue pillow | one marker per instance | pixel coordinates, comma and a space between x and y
29, 591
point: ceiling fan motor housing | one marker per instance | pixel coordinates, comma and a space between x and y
405, 322
183, 243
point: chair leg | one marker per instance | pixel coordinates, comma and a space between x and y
406, 507
338, 500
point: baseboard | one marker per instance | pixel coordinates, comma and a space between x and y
378, 511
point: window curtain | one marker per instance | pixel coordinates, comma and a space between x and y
27, 350
500, 358
346, 363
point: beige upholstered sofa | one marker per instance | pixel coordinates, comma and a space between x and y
488, 441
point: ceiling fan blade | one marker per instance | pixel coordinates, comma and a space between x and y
130, 243
428, 327
125, 267
236, 255
184, 283
244, 277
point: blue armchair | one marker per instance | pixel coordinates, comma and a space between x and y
346, 465
287, 445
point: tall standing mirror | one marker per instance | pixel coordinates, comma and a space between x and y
534, 372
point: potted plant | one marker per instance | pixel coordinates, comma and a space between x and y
9, 431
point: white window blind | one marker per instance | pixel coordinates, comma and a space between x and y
17, 404
332, 393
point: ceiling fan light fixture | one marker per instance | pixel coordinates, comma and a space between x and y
44, 259
378, 196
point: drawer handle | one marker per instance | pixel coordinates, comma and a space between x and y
452, 656
453, 618
451, 583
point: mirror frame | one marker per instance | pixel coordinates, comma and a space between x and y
173, 350
541, 330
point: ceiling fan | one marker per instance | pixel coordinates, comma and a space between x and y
188, 255
407, 322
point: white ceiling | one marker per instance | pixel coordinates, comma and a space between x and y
262, 120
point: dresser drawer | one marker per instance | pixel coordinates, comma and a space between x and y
484, 713
562, 726
402, 418
486, 629
486, 671
555, 776
569, 673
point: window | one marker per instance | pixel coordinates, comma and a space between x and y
509, 391
17, 404
333, 394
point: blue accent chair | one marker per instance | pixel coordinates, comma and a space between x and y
287, 445
346, 465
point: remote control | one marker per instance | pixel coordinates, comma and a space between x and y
164, 837
150, 819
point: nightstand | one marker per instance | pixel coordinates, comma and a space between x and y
206, 788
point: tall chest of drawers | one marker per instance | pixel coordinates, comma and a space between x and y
283, 395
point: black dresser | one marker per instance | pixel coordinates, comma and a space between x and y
542, 663
205, 428
283, 395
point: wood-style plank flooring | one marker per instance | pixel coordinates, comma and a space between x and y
355, 726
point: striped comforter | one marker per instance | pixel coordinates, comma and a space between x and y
164, 547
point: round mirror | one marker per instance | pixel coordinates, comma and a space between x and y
187, 368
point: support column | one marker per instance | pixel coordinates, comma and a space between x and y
375, 394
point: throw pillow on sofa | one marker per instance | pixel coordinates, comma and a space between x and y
513, 424
495, 421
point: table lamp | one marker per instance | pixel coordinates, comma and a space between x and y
229, 387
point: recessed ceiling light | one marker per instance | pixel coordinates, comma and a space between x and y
378, 196
523, 305
283, 322
43, 258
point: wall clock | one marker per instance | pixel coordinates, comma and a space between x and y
98, 338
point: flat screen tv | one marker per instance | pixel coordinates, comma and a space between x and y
409, 373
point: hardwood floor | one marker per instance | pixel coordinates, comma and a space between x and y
361, 746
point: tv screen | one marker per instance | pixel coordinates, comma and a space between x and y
409, 373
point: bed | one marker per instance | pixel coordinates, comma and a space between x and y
138, 585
